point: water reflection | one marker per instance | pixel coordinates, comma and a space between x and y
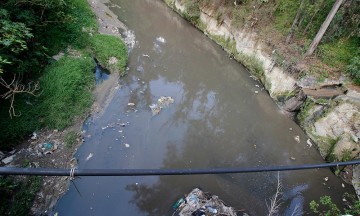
101, 74
217, 120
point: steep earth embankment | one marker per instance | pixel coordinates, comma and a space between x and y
327, 109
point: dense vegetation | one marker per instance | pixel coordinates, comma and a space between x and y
326, 207
35, 90
17, 196
289, 26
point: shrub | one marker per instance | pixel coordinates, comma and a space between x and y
354, 69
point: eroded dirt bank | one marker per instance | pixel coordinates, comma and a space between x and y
327, 109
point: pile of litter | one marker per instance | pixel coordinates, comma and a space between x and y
163, 102
199, 203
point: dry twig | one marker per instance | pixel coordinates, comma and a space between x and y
15, 87
275, 200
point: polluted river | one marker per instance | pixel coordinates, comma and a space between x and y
215, 115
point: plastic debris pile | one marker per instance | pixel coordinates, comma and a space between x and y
162, 102
199, 203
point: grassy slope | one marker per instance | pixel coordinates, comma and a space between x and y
272, 21
66, 85
105, 46
66, 92
335, 49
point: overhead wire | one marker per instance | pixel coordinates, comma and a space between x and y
157, 172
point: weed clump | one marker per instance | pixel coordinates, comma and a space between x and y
106, 46
70, 139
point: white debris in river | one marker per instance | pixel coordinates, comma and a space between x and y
161, 39
162, 102
89, 156
198, 202
129, 39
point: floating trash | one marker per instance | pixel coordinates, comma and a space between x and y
47, 146
127, 145
309, 143
140, 68
9, 159
89, 156
162, 102
297, 139
34, 136
161, 39
155, 109
129, 39
131, 104
198, 203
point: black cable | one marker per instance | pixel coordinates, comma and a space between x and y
153, 172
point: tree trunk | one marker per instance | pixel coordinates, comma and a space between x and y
295, 23
323, 27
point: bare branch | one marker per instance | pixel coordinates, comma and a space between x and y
15, 87
275, 200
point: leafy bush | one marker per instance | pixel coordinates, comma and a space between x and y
327, 208
70, 138
17, 196
354, 69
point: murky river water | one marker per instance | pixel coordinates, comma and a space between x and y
217, 120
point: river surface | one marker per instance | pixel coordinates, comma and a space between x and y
221, 117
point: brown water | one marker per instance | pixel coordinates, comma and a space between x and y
217, 120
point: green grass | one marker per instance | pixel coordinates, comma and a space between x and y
106, 46
66, 90
353, 69
66, 84
252, 63
192, 11
304, 112
331, 142
65, 93
284, 10
70, 139
170, 3
338, 53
